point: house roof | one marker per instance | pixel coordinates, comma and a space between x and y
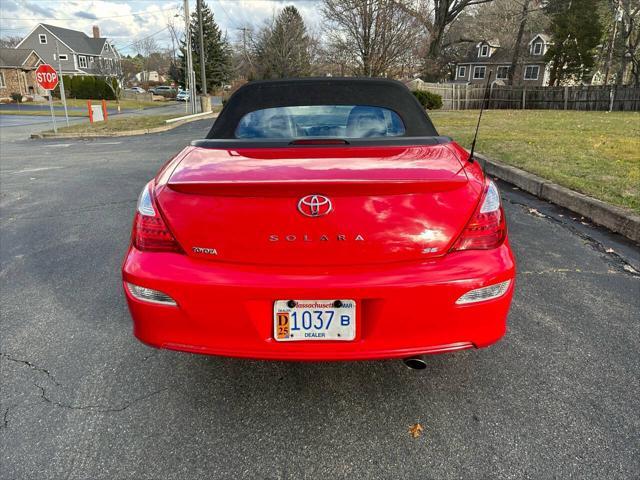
14, 57
545, 38
501, 55
79, 42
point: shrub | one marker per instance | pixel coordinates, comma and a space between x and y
89, 88
430, 101
16, 97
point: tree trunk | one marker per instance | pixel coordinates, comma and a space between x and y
440, 22
518, 44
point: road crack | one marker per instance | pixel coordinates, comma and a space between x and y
5, 418
97, 408
33, 366
614, 259
561, 271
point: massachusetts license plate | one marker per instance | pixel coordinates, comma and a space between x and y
314, 320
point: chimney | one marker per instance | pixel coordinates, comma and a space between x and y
96, 31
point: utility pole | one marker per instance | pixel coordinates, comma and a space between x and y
189, 74
62, 95
203, 74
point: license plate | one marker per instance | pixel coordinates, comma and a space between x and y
295, 320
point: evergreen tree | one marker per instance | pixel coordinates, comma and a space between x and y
282, 50
217, 52
576, 30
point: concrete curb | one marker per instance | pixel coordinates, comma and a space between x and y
614, 218
128, 133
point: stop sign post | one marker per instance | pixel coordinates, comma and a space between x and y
47, 78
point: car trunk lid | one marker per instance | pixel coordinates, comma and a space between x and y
254, 205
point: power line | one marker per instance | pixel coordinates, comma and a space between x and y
143, 38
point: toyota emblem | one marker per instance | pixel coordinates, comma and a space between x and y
314, 205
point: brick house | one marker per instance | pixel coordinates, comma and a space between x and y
79, 54
17, 72
488, 56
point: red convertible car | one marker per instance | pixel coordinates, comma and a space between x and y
321, 219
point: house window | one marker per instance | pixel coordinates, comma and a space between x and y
91, 59
43, 38
502, 73
478, 72
82, 61
2, 84
462, 72
484, 50
537, 48
63, 56
531, 72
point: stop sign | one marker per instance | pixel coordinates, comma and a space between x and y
47, 77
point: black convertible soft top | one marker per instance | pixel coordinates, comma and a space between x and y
376, 92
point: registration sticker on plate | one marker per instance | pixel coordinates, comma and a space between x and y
295, 320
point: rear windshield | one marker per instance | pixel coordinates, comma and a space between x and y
324, 121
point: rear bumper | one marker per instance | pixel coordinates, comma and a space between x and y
402, 310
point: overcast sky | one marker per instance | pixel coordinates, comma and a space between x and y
125, 21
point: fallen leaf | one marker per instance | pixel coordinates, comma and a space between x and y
416, 430
629, 268
535, 212
609, 250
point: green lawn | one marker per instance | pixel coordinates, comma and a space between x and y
124, 104
135, 122
596, 153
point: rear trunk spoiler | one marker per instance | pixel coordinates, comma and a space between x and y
240, 143
330, 187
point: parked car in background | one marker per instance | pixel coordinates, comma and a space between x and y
183, 96
136, 90
164, 90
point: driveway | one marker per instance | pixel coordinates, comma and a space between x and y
81, 398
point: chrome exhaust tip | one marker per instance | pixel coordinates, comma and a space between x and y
415, 363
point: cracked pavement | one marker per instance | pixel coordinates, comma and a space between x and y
80, 398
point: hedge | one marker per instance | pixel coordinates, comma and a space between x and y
430, 101
87, 87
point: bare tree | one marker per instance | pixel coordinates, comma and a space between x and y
374, 33
10, 41
436, 16
629, 52
518, 43
114, 76
145, 47
175, 33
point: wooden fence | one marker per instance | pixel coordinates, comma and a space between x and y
604, 98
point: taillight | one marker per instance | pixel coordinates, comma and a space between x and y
487, 228
150, 232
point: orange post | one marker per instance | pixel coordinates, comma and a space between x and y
104, 109
90, 111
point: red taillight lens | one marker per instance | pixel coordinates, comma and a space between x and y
150, 233
487, 228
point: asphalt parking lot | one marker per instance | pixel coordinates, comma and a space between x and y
82, 399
